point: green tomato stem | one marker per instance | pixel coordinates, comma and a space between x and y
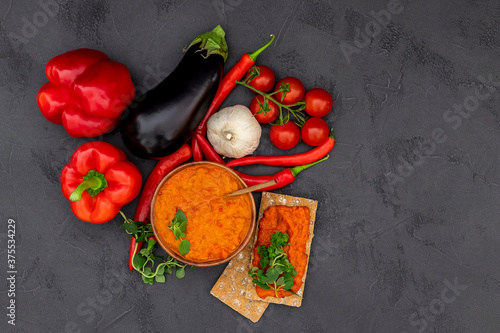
268, 96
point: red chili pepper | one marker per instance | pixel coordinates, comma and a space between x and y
283, 178
86, 92
195, 146
229, 82
99, 180
287, 160
162, 168
208, 150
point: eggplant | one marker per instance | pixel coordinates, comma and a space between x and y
166, 116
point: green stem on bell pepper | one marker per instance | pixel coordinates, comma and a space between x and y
94, 182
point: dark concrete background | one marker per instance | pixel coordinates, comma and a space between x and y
407, 232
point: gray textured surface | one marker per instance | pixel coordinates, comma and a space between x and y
403, 214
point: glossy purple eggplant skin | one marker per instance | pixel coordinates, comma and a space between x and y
166, 116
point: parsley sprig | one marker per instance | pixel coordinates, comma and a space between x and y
178, 226
144, 261
276, 272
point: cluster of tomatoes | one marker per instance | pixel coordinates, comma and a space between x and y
289, 97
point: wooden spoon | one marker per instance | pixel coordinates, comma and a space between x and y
251, 188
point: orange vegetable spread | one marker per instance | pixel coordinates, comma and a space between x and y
216, 226
295, 222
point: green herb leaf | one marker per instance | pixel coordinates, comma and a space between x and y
160, 278
139, 224
144, 260
261, 277
139, 260
130, 228
279, 239
288, 281
262, 251
264, 262
177, 233
184, 247
280, 281
180, 216
148, 279
183, 226
291, 292
272, 274
260, 284
179, 272
277, 271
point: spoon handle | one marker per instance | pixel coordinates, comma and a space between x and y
252, 188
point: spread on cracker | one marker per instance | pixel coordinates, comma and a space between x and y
279, 255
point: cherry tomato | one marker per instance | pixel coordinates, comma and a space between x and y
265, 80
318, 102
272, 112
295, 94
285, 136
315, 131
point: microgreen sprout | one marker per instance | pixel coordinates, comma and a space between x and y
275, 272
144, 261
178, 226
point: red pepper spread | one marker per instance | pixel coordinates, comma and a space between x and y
295, 222
216, 225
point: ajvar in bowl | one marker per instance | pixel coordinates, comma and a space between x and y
218, 228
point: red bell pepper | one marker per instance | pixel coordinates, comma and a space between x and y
86, 92
99, 180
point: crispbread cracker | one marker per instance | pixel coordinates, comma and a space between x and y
231, 286
273, 199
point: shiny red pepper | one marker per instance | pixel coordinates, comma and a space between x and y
195, 146
99, 180
283, 178
207, 149
287, 160
86, 92
229, 82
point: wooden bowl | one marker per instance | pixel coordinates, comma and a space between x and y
177, 256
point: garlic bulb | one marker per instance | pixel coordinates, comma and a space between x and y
234, 131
